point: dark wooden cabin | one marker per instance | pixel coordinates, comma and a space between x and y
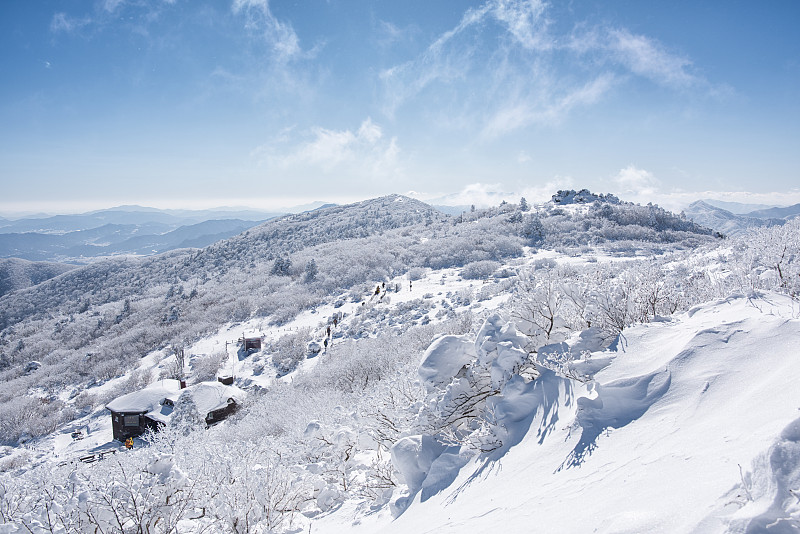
251, 343
217, 415
132, 414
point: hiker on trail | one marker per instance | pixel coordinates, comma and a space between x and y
378, 290
335, 322
328, 331
384, 285
326, 343
129, 443
409, 285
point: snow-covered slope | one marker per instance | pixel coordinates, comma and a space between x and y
691, 425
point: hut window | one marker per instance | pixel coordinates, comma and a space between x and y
131, 420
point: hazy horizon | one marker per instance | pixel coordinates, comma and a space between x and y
476, 195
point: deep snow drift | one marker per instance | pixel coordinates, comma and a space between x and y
690, 424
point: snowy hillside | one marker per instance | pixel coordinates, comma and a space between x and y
586, 364
688, 424
18, 274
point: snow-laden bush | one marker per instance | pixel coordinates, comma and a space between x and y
206, 366
417, 273
479, 270
289, 350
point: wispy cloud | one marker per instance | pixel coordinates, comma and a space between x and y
637, 54
107, 12
112, 5
360, 153
505, 63
387, 34
525, 21
63, 23
526, 110
452, 55
279, 35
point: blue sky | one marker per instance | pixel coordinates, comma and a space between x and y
178, 103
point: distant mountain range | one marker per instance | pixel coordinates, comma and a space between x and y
133, 230
738, 208
725, 221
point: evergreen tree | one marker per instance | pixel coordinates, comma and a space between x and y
311, 270
281, 266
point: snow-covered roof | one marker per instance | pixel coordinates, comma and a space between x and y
210, 396
147, 399
161, 413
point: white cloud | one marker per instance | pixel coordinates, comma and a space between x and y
106, 12
545, 191
483, 195
362, 153
112, 5
634, 181
450, 56
387, 34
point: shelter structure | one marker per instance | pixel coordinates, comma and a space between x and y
152, 407
250, 343
132, 414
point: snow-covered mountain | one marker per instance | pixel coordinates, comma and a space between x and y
586, 364
785, 212
738, 208
724, 221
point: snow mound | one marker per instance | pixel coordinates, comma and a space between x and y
443, 360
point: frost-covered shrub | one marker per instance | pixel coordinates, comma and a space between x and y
206, 366
85, 401
289, 350
545, 263
417, 273
479, 270
242, 309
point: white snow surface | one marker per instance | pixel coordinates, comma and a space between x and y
691, 424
